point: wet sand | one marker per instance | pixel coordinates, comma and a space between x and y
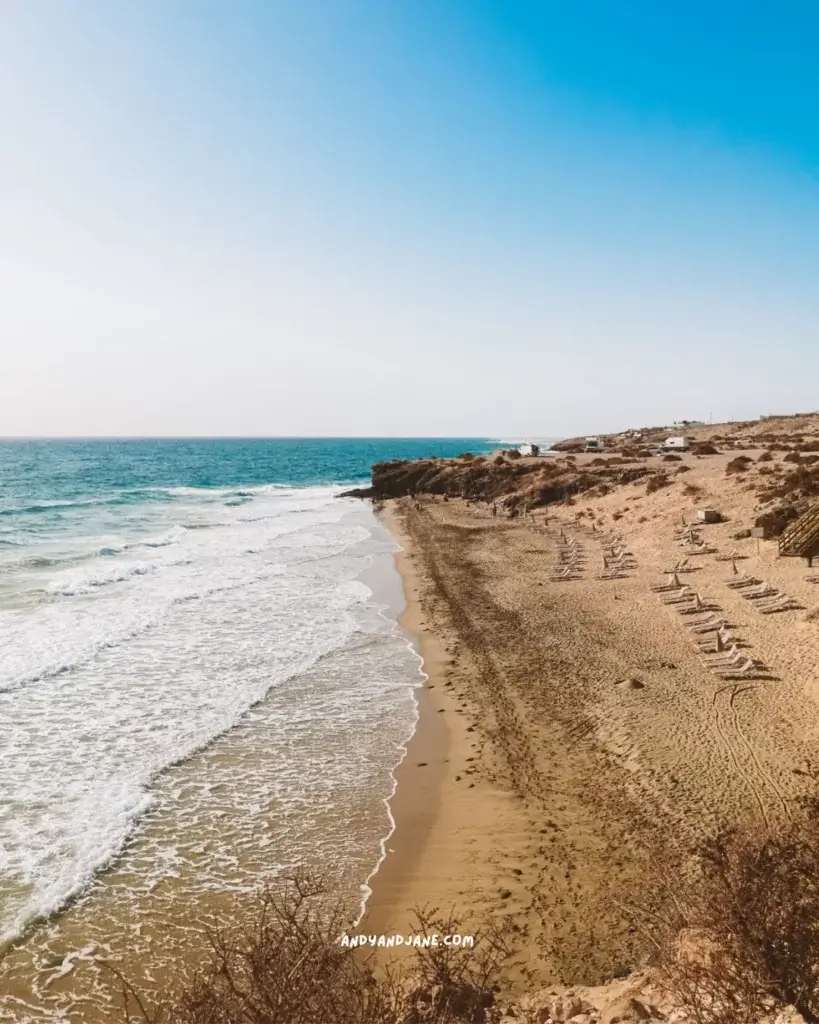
568, 728
224, 825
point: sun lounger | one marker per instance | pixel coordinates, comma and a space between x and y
715, 643
753, 589
743, 581
711, 620
764, 590
683, 594
673, 583
783, 603
699, 604
745, 671
733, 653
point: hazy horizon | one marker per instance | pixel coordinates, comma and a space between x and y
354, 219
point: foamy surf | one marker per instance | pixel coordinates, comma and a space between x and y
200, 687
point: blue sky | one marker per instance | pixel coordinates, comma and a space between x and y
429, 217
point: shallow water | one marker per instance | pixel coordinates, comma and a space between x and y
198, 689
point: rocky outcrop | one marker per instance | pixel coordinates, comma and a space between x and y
512, 483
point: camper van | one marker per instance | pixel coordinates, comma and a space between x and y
675, 444
594, 444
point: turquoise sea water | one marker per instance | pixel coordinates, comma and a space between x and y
200, 682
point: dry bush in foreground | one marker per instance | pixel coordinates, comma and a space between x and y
290, 967
656, 482
742, 936
738, 465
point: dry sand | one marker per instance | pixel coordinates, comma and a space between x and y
568, 727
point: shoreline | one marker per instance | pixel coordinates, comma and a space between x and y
421, 773
452, 822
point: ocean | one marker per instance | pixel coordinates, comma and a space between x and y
202, 684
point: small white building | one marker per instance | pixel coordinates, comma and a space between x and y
675, 444
528, 448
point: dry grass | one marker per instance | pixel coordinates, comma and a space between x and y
739, 937
658, 481
290, 967
738, 465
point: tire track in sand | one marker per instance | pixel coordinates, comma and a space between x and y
736, 692
733, 755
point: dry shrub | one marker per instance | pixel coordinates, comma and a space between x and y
467, 456
290, 968
692, 490
656, 482
644, 453
682, 469
513, 453
765, 457
777, 520
739, 937
672, 458
499, 460
738, 465
792, 457
706, 449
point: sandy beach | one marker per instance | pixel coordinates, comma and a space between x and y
570, 730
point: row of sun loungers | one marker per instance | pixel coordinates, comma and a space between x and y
617, 559
571, 560
617, 562
717, 647
690, 539
768, 600
720, 651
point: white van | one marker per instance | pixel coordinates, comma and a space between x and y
594, 444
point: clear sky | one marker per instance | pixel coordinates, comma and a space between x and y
411, 217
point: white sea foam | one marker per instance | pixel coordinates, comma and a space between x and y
133, 661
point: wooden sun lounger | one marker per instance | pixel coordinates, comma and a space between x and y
743, 581
699, 605
663, 588
733, 653
787, 604
684, 594
711, 621
746, 671
714, 643
759, 593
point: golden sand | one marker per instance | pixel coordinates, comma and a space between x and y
568, 727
